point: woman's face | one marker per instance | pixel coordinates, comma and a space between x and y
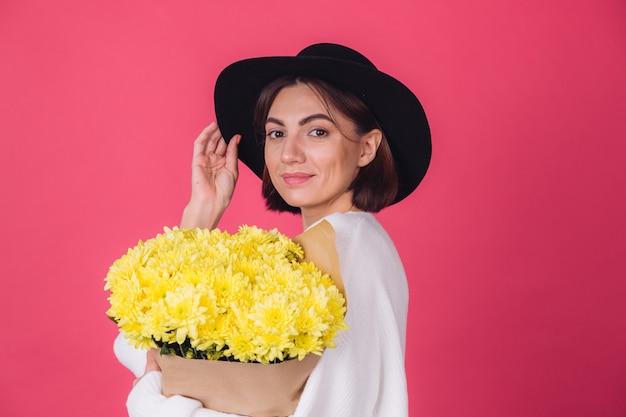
309, 159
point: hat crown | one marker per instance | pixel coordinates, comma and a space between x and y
334, 51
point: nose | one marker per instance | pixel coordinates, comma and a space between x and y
291, 151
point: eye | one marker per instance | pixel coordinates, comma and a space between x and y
275, 134
318, 132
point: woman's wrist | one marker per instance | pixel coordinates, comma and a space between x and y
201, 215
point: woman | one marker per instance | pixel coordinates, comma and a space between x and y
339, 140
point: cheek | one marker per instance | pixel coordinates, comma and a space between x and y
343, 159
270, 163
339, 169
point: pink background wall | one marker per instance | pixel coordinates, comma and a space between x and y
514, 245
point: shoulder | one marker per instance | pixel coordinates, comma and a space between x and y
363, 244
359, 228
353, 219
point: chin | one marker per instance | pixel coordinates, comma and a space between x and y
294, 202
293, 199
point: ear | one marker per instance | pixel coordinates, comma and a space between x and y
369, 146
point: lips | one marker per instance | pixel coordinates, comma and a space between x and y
296, 178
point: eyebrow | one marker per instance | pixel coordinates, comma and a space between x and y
302, 122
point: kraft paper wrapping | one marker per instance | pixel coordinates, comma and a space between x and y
253, 389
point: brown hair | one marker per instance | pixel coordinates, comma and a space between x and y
376, 185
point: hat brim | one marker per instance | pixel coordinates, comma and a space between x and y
396, 108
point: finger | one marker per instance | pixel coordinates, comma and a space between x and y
221, 147
215, 137
151, 363
200, 144
231, 154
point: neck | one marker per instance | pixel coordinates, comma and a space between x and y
309, 218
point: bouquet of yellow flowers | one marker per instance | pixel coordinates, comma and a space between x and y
246, 297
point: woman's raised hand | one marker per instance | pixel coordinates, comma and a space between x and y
214, 174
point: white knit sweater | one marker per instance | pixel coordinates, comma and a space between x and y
364, 376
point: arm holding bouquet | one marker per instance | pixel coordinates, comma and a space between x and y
334, 140
284, 314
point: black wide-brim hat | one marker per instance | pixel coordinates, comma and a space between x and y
394, 106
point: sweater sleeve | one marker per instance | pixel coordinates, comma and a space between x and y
132, 358
146, 399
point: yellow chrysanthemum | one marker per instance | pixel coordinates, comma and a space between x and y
209, 294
